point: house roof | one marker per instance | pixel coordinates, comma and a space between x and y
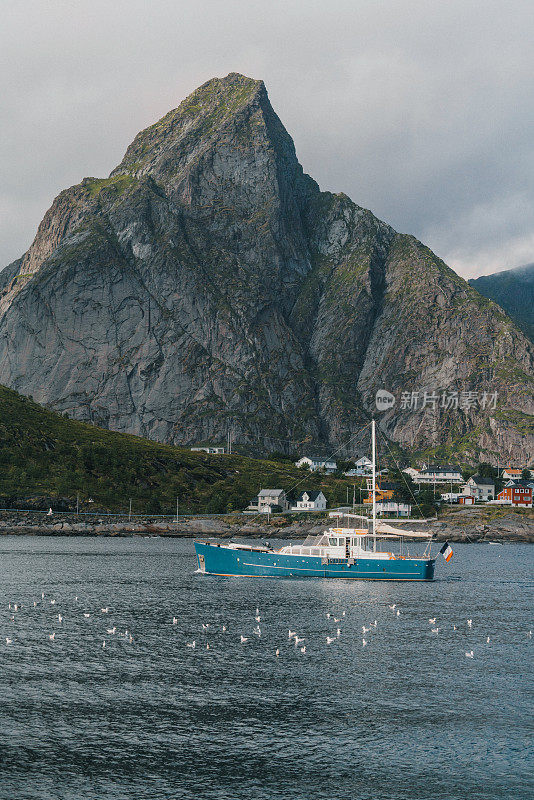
271, 492
441, 468
312, 495
317, 458
514, 484
481, 481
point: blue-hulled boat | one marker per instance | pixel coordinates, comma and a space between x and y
353, 553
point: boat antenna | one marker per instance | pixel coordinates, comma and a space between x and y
373, 448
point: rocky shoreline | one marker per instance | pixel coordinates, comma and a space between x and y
467, 526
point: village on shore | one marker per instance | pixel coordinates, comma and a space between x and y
448, 484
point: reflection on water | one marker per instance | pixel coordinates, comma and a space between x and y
406, 716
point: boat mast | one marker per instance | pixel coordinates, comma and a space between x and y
373, 448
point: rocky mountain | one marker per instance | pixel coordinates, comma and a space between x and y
513, 290
209, 284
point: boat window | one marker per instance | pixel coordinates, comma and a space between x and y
333, 542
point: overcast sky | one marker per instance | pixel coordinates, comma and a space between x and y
422, 111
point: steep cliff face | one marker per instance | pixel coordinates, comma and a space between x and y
208, 284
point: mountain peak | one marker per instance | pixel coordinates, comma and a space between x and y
199, 119
208, 286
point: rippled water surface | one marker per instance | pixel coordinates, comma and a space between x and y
406, 716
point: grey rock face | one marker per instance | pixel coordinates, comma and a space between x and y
208, 284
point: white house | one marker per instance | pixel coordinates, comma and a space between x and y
310, 501
315, 463
412, 472
480, 488
392, 507
364, 466
512, 472
213, 451
436, 473
268, 498
450, 497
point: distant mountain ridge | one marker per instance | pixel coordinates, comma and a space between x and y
513, 290
208, 284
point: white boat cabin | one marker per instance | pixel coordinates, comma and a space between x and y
337, 543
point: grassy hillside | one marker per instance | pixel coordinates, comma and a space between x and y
514, 291
45, 455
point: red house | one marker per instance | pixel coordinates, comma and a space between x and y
516, 493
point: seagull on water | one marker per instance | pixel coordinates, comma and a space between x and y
8, 640
470, 654
365, 630
435, 630
363, 642
192, 644
488, 640
52, 636
469, 623
330, 639
529, 635
298, 640
257, 631
291, 634
398, 613
174, 621
86, 616
432, 620
224, 628
111, 630
60, 618
277, 652
338, 632
329, 615
244, 639
207, 646
103, 644
257, 618
303, 649
393, 607
104, 610
205, 627
336, 620
257, 612
52, 602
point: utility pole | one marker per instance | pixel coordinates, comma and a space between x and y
177, 509
77, 502
130, 511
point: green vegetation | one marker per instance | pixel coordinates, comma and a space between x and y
46, 455
116, 185
514, 291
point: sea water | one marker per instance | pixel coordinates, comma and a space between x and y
407, 715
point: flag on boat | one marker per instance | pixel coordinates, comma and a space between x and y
446, 551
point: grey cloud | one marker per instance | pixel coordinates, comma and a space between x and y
421, 111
